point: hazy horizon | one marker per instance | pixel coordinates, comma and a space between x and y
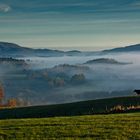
82, 49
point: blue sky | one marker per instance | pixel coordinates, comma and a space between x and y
70, 24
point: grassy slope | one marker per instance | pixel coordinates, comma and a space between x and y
111, 127
71, 109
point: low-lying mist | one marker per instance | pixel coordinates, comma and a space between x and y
48, 62
47, 81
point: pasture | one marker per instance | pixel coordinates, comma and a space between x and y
94, 127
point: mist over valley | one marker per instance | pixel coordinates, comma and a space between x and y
69, 78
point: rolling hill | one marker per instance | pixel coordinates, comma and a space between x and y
105, 61
14, 50
131, 48
99, 106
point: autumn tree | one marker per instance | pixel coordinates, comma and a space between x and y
78, 78
59, 81
22, 102
1, 94
12, 102
56, 82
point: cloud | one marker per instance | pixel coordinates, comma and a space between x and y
5, 8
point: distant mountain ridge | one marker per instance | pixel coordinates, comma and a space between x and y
4, 46
131, 48
14, 50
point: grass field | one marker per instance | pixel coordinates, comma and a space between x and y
100, 127
71, 109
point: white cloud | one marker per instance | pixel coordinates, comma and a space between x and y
5, 8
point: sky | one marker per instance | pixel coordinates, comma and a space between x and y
70, 24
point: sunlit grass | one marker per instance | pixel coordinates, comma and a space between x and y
116, 127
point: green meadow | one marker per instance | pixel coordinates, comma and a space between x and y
98, 127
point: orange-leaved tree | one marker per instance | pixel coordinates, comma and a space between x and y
1, 94
12, 102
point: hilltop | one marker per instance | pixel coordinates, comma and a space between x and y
105, 61
131, 48
14, 50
